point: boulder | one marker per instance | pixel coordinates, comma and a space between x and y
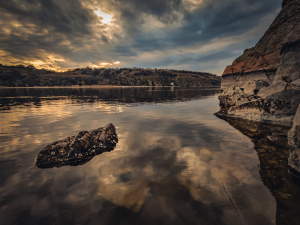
78, 149
294, 143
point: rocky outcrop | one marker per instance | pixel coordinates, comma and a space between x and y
78, 149
294, 144
262, 61
268, 74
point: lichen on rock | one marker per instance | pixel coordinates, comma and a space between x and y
78, 149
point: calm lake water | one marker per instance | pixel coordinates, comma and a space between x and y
175, 163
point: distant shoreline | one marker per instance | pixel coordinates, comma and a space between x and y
108, 86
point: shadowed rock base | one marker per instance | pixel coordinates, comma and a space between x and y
79, 149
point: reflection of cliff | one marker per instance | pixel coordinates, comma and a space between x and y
18, 96
271, 146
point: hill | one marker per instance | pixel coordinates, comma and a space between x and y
21, 76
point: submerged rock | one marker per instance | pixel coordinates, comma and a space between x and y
79, 149
294, 145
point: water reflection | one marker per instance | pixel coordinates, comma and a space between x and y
122, 95
272, 149
175, 163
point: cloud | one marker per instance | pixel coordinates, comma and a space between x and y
134, 31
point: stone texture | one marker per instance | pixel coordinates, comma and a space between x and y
277, 108
273, 88
233, 96
294, 85
252, 87
265, 56
294, 143
268, 74
78, 149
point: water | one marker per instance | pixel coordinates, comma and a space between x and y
175, 163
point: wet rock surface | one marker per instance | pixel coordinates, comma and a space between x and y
78, 149
268, 74
271, 145
294, 144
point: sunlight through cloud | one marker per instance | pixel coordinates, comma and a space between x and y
105, 18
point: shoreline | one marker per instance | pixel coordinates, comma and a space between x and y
108, 86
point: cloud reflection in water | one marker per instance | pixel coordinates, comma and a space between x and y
175, 163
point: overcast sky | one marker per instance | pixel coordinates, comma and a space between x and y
200, 35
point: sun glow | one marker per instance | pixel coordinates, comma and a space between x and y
104, 17
104, 64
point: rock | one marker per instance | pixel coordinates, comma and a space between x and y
294, 85
232, 96
79, 149
268, 74
252, 87
273, 88
294, 143
263, 60
289, 62
278, 108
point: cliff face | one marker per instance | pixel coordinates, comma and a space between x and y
262, 61
264, 83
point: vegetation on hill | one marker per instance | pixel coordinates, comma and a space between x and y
21, 76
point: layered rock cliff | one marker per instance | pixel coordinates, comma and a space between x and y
264, 83
262, 61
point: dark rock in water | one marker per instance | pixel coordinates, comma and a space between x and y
79, 149
294, 145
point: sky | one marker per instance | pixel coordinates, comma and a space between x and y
198, 35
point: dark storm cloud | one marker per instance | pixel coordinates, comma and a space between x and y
215, 19
64, 16
33, 29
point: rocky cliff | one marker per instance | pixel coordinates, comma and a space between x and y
262, 61
264, 83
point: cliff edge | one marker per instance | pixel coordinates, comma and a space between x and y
262, 61
264, 83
